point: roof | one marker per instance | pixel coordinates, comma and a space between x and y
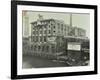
83, 38
48, 20
43, 20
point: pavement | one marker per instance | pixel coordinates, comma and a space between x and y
38, 62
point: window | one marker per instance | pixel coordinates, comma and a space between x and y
45, 32
39, 47
41, 22
44, 22
58, 26
33, 32
47, 48
36, 38
49, 31
49, 26
35, 24
65, 28
31, 47
42, 48
33, 28
54, 32
33, 38
53, 48
61, 26
36, 33
35, 48
44, 26
40, 38
44, 38
40, 31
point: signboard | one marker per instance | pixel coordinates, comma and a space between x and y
51, 39
74, 46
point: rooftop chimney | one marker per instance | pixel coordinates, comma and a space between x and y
40, 17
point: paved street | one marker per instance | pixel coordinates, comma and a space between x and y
38, 62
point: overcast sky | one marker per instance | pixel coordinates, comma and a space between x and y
79, 20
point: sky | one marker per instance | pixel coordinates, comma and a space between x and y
78, 20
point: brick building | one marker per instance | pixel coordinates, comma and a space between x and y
48, 35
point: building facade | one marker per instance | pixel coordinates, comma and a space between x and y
25, 19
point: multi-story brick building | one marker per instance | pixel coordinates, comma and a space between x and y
47, 35
79, 32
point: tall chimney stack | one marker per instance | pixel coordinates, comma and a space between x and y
71, 19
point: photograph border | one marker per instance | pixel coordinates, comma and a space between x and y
14, 51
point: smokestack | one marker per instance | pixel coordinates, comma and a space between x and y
71, 19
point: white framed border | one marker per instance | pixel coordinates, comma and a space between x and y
21, 71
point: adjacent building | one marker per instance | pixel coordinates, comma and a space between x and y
25, 25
